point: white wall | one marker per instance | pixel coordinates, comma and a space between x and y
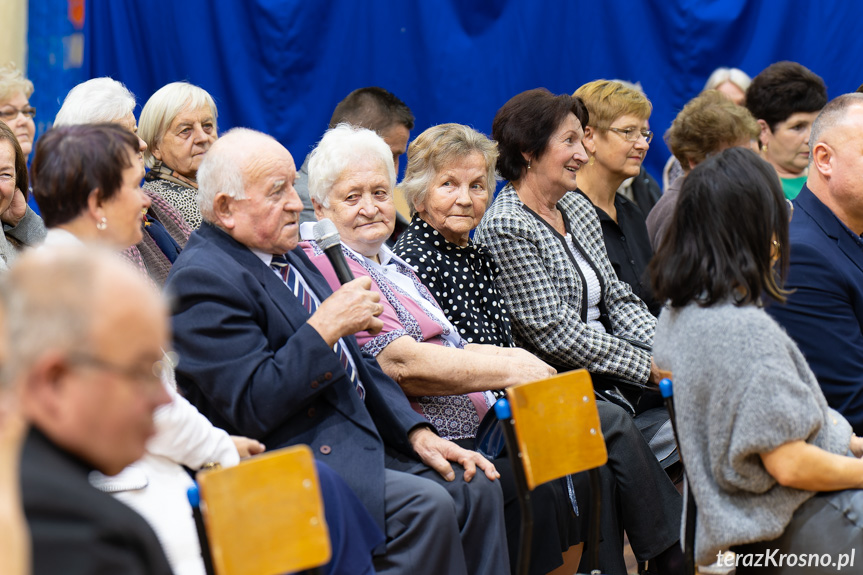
13, 40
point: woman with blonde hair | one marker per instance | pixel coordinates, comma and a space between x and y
616, 140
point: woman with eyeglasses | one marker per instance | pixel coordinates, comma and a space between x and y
616, 141
15, 108
21, 223
178, 123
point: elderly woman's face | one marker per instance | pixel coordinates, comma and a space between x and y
123, 210
186, 140
361, 206
457, 197
7, 174
12, 111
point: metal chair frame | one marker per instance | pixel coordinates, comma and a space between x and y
552, 429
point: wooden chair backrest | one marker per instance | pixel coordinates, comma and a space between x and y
557, 426
266, 515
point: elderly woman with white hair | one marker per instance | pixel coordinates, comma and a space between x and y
165, 232
178, 123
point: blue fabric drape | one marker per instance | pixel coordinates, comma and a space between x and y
281, 66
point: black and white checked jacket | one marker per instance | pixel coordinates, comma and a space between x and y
544, 289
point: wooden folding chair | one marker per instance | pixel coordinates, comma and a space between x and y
552, 430
265, 516
666, 388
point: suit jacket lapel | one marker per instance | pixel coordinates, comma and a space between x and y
293, 310
832, 226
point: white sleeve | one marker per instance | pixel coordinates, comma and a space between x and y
185, 436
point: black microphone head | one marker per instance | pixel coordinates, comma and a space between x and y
326, 234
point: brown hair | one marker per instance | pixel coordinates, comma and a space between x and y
71, 162
6, 134
708, 123
720, 241
526, 122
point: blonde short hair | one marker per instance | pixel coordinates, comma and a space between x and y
13, 81
607, 100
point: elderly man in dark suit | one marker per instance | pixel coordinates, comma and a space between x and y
86, 334
824, 311
267, 350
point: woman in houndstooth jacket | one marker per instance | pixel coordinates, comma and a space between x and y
566, 304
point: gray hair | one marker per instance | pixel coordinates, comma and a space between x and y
163, 106
831, 116
432, 152
734, 75
49, 299
12, 81
95, 101
222, 169
339, 149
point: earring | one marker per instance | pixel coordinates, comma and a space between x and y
528, 164
102, 224
591, 161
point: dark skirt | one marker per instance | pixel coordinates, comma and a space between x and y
555, 526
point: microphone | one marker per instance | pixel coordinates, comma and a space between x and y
327, 237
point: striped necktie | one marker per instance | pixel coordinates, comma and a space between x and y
292, 280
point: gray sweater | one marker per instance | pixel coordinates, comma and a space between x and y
30, 231
741, 388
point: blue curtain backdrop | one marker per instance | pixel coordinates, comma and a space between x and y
281, 66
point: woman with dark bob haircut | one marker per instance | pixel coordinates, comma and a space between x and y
86, 179
566, 304
785, 98
766, 458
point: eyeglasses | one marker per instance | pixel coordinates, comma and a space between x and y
633, 134
9, 114
145, 377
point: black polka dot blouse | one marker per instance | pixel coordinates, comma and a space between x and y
462, 280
